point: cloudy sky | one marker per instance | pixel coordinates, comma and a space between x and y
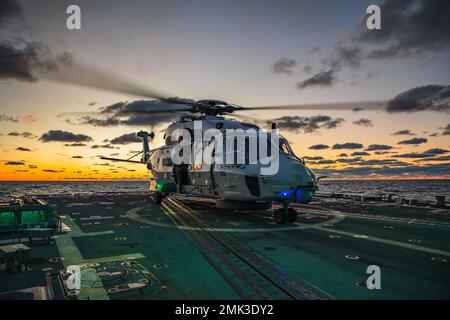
251, 53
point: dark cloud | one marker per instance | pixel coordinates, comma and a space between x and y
126, 139
25, 61
348, 145
325, 162
319, 147
409, 28
436, 151
426, 154
430, 97
308, 124
136, 113
374, 162
435, 134
314, 158
441, 158
22, 59
102, 146
363, 122
321, 79
77, 157
349, 160
49, 170
360, 153
108, 122
373, 147
64, 136
345, 55
9, 9
4, 118
446, 130
75, 144
403, 133
388, 162
14, 163
382, 152
342, 155
414, 141
27, 135
22, 149
284, 65
114, 108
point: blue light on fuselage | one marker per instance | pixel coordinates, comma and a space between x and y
287, 193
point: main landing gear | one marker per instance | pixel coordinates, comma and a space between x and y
284, 214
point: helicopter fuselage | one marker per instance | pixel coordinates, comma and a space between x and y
234, 186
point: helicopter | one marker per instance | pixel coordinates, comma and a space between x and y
239, 186
233, 187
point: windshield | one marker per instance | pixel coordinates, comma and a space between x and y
286, 149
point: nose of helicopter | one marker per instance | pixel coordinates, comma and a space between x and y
302, 182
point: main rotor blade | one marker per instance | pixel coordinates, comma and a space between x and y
355, 106
155, 111
92, 77
259, 122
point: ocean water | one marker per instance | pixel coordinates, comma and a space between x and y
423, 190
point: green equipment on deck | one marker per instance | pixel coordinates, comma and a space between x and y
25, 214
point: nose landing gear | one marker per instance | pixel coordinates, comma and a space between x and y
284, 214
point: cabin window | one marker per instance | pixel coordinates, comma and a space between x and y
286, 149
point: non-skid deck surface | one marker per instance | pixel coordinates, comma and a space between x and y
175, 258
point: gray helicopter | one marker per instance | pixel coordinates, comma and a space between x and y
234, 186
243, 185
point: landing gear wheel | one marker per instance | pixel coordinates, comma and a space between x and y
279, 216
291, 215
157, 197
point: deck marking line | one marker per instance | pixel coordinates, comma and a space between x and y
384, 241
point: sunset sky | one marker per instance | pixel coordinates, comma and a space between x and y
250, 53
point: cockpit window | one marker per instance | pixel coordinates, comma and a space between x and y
286, 149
